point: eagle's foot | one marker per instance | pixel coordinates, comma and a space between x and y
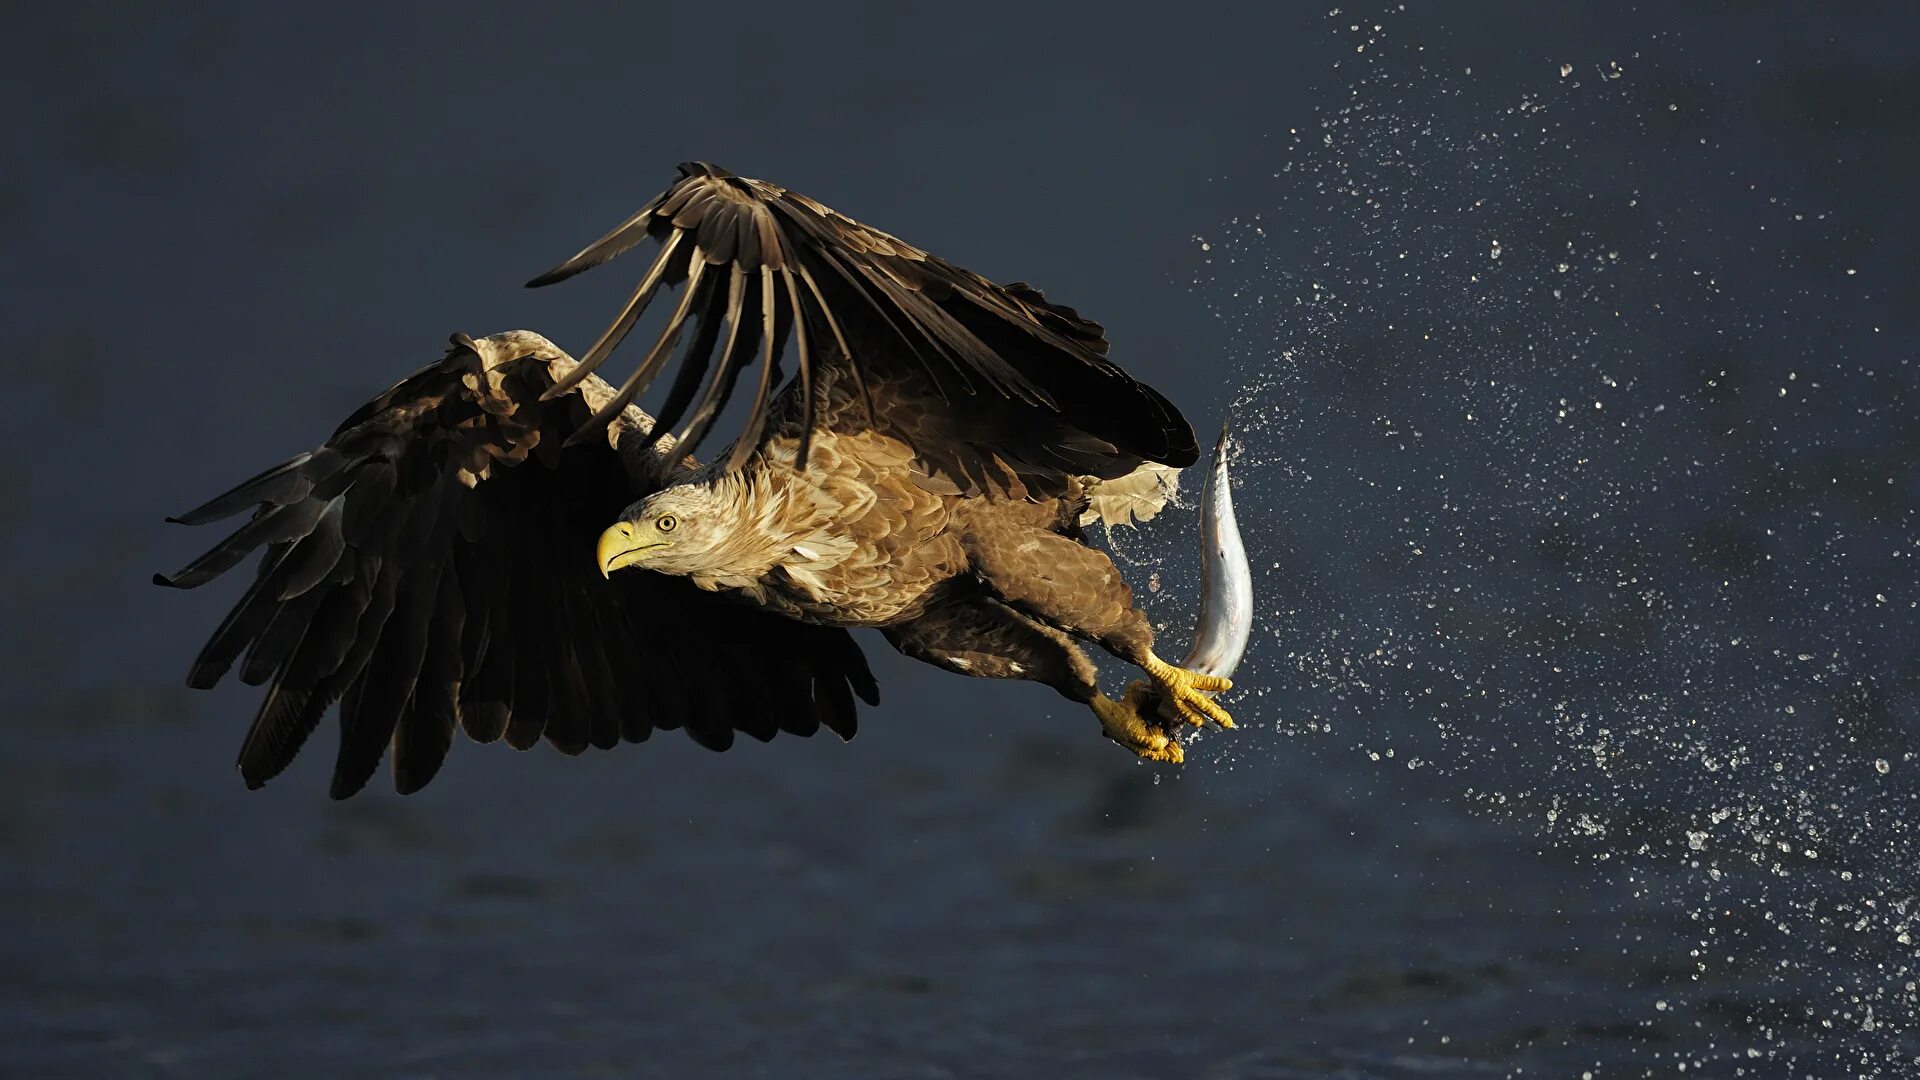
1186, 692
1122, 722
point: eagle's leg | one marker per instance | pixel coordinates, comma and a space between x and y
1186, 690
978, 635
1078, 589
1131, 723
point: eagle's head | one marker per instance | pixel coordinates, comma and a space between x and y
679, 530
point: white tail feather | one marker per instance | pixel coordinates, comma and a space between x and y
1135, 497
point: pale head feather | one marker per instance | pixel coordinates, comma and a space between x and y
734, 529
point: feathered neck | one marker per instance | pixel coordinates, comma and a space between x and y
781, 530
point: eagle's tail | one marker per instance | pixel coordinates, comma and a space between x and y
1137, 496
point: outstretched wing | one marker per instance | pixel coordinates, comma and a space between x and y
1024, 380
431, 568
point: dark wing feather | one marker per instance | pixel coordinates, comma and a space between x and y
420, 746
431, 569
1028, 383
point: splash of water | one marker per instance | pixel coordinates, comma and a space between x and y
1607, 468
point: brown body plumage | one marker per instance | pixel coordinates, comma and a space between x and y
926, 471
863, 534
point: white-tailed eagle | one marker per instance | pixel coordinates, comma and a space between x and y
503, 543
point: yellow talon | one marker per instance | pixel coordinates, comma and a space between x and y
1121, 721
1174, 693
1186, 692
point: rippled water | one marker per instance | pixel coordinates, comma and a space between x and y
865, 910
1573, 356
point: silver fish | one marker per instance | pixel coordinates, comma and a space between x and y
1226, 599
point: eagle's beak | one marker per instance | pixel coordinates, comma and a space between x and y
618, 548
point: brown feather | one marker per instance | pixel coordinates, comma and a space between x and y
1006, 346
644, 374
430, 568
749, 439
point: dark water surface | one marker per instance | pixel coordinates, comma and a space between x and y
1579, 474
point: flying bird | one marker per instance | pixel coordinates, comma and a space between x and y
504, 543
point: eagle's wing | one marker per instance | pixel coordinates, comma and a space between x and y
971, 370
431, 567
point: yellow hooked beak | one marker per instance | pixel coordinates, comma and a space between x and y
620, 546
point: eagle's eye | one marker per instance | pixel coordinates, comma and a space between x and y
666, 522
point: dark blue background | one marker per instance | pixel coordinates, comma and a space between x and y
225, 229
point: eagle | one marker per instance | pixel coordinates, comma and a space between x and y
504, 544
